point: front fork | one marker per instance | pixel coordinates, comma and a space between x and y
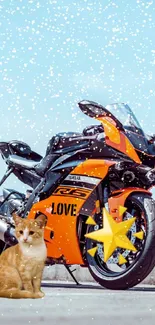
102, 194
106, 197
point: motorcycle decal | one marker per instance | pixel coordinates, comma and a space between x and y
84, 179
71, 191
61, 230
81, 181
79, 185
64, 209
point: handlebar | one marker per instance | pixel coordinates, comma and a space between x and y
95, 129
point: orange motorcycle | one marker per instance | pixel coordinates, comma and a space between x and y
93, 189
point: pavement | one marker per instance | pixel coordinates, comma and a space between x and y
66, 303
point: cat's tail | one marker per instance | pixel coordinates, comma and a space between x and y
17, 294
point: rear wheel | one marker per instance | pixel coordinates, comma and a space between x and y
133, 266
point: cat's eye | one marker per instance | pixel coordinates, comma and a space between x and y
21, 232
31, 233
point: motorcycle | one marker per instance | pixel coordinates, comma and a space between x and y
94, 189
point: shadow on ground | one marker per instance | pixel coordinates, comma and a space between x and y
91, 286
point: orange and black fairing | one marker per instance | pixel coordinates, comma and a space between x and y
63, 207
117, 139
114, 131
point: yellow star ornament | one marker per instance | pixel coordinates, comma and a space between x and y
113, 235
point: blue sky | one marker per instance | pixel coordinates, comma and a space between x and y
56, 53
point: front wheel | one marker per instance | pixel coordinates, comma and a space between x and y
124, 268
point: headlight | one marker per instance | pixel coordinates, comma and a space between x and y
128, 176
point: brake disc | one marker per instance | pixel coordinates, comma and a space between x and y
114, 259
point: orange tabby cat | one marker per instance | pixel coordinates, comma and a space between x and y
21, 266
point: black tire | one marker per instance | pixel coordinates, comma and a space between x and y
145, 262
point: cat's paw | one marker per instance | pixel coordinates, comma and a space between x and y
39, 294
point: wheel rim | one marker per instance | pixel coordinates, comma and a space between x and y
112, 268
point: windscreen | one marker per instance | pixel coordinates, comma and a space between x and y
125, 115
131, 125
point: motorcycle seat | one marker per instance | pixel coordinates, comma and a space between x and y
40, 168
60, 144
23, 162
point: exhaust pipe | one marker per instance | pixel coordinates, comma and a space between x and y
7, 234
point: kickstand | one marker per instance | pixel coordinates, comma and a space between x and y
71, 273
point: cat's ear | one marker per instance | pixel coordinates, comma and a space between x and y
16, 219
41, 221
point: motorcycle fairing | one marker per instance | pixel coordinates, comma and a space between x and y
118, 140
63, 207
119, 197
114, 130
